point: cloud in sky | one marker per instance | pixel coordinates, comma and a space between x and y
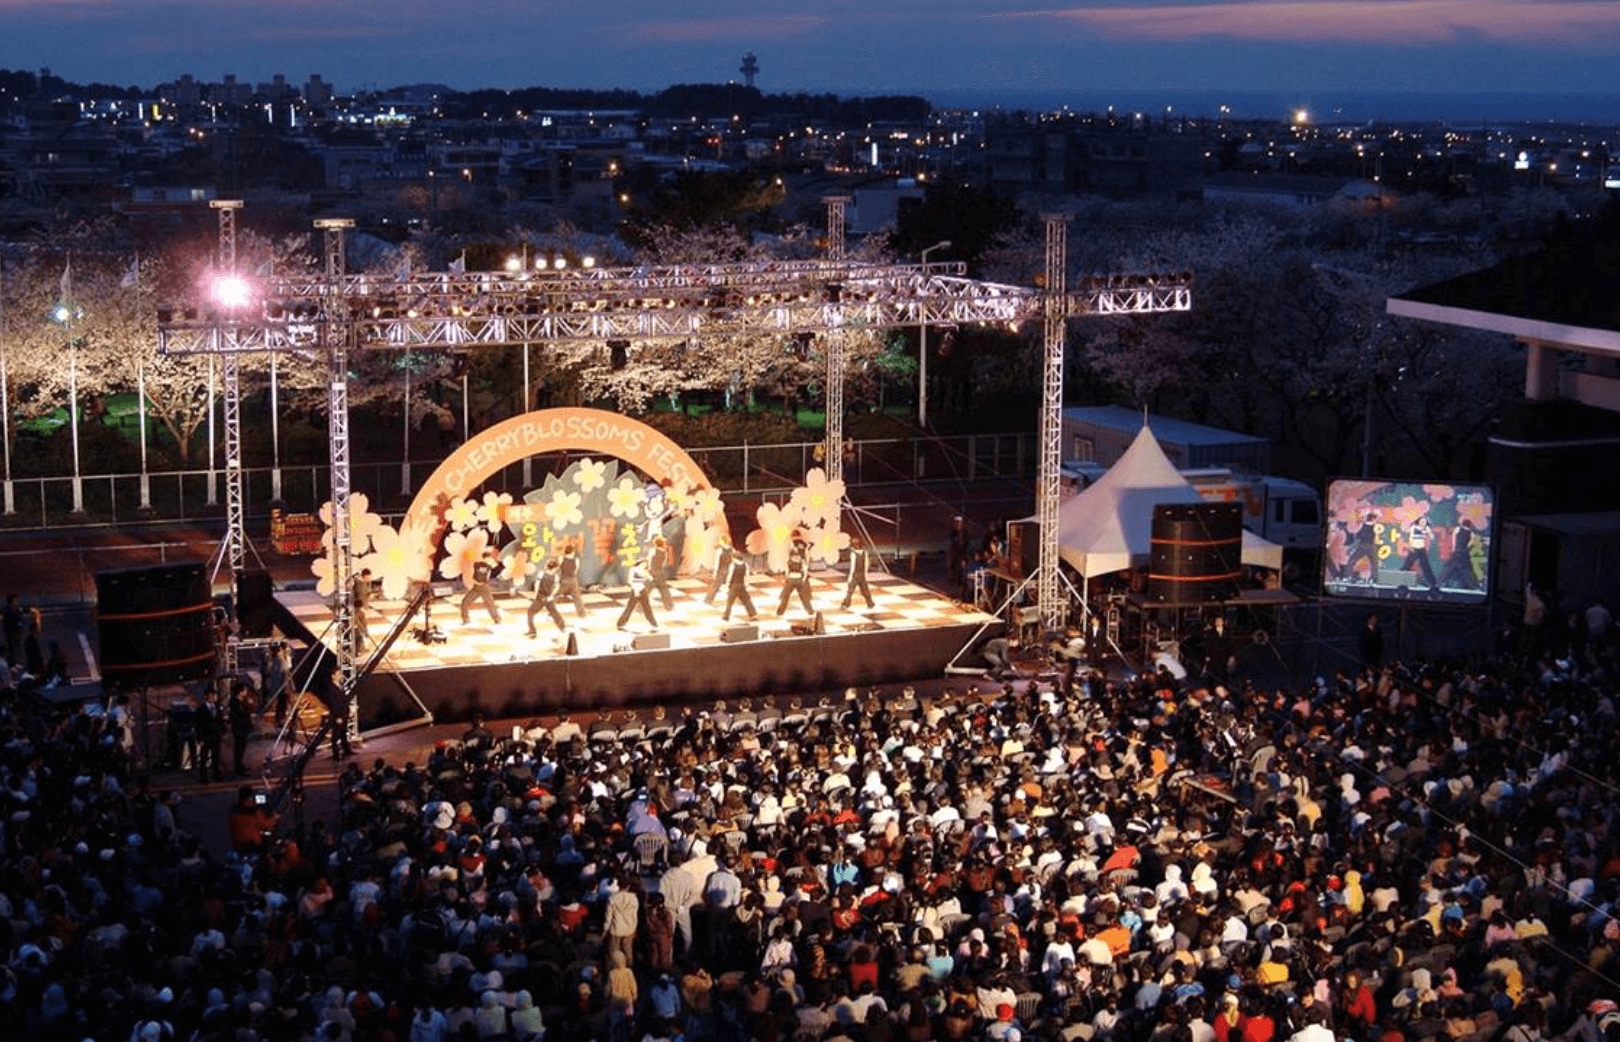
1386, 22
768, 28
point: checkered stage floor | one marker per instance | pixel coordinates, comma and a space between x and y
690, 623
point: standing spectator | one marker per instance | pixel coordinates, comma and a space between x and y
210, 733
241, 722
623, 916
11, 624
33, 652
1372, 642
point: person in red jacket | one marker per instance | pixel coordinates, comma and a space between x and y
1230, 1021
1357, 1010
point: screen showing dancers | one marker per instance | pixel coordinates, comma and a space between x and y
1423, 541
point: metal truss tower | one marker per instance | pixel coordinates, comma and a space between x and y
235, 526
833, 436
1048, 594
337, 333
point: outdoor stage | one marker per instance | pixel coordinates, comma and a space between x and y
499, 670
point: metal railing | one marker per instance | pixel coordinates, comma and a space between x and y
46, 503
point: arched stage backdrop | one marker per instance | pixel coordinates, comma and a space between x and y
553, 430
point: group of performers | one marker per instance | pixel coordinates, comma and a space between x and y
558, 580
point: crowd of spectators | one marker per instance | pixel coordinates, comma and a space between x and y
1386, 855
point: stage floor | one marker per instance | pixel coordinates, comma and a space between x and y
497, 668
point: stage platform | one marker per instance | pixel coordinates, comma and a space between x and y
497, 669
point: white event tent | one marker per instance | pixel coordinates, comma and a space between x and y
1109, 527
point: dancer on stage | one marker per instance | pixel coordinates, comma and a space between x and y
737, 587
483, 570
640, 596
568, 578
659, 566
361, 603
722, 568
797, 576
859, 557
545, 594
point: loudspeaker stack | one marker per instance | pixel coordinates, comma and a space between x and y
1197, 553
156, 625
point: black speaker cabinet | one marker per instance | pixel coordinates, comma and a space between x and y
1197, 553
156, 625
255, 603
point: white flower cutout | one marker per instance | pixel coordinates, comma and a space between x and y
519, 567
398, 559
625, 499
462, 550
774, 536
492, 512
325, 581
590, 475
462, 514
563, 509
706, 505
362, 523
826, 543
820, 499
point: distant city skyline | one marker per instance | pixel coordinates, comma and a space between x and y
1293, 50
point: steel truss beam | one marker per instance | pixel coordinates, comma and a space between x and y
508, 316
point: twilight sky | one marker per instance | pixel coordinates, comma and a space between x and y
848, 46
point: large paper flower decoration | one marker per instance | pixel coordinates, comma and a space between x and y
462, 550
706, 505
492, 511
325, 581
562, 511
398, 559
827, 543
590, 474
625, 498
462, 514
774, 536
362, 523
818, 499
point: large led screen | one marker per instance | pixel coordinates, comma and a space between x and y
1408, 540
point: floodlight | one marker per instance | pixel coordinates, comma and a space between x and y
230, 291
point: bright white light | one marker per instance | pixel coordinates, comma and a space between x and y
514, 264
230, 291
1301, 116
588, 261
560, 263
61, 313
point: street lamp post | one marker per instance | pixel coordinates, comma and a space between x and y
65, 314
922, 346
517, 265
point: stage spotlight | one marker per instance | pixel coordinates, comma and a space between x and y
230, 291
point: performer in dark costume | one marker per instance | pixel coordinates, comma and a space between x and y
722, 568
483, 571
1364, 545
659, 566
361, 603
545, 593
737, 588
1418, 537
1459, 570
640, 596
568, 579
859, 557
797, 576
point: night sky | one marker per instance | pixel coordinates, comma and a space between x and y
870, 46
